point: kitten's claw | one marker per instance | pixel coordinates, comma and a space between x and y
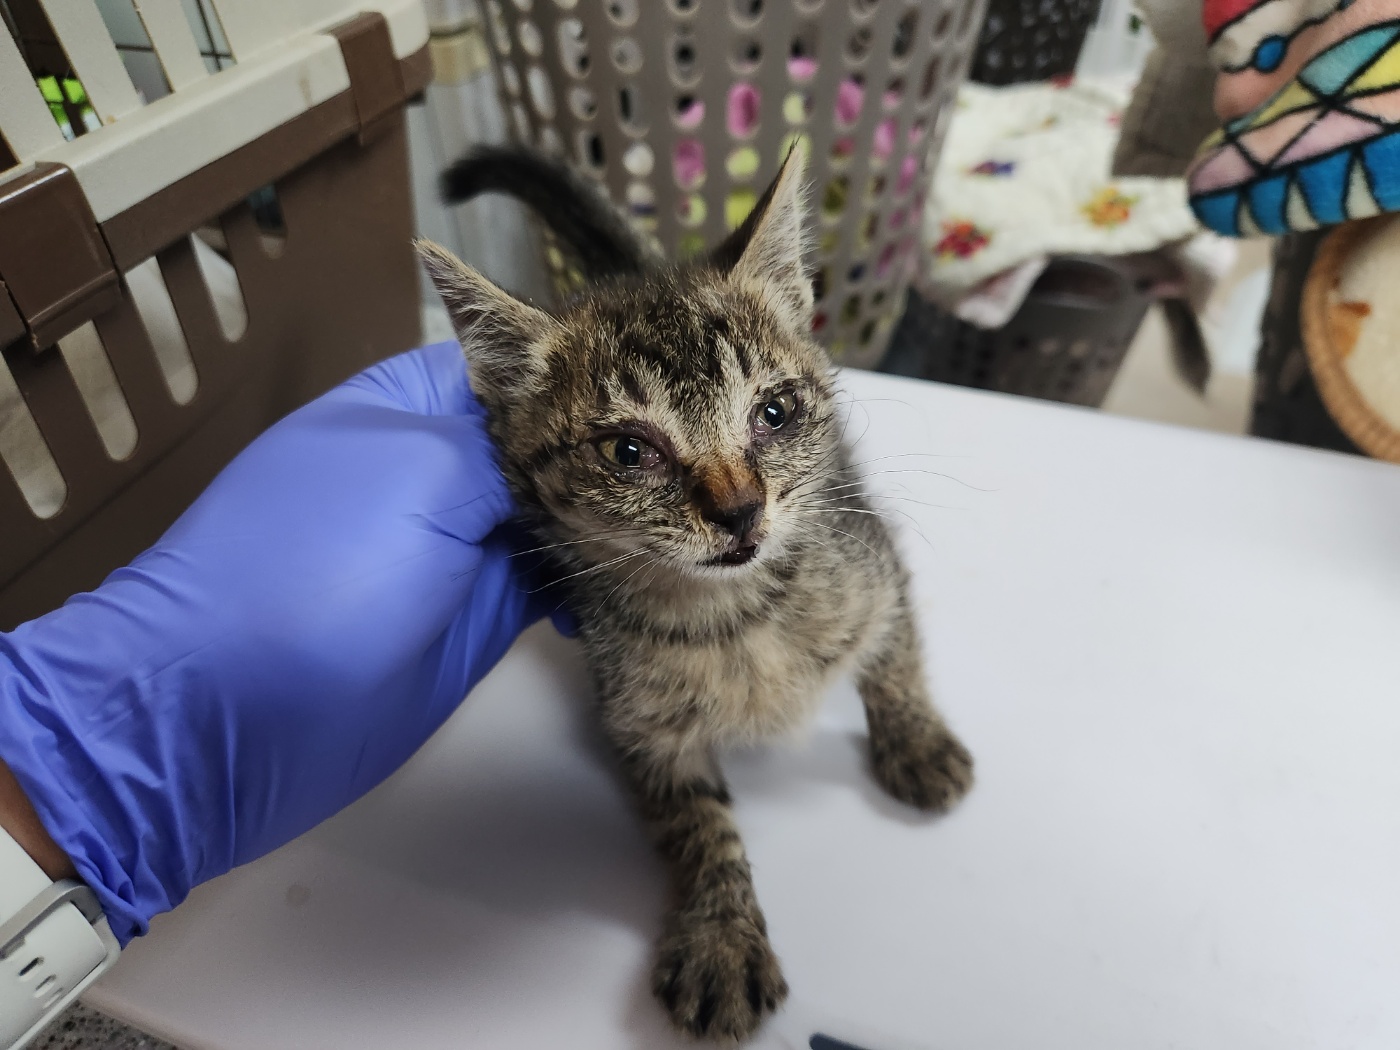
930, 770
718, 978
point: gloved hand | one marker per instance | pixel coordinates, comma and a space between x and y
306, 625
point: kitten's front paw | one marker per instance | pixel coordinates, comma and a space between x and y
718, 978
929, 769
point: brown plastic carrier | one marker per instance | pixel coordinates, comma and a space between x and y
311, 217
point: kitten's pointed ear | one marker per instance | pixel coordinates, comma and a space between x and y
503, 338
769, 248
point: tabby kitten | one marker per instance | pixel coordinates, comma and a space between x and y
673, 436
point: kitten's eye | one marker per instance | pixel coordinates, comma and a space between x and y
630, 453
777, 412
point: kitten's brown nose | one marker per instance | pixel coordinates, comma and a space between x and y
737, 509
739, 521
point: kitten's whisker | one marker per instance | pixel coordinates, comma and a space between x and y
652, 563
845, 510
808, 538
911, 499
813, 477
802, 492
912, 470
650, 575
931, 473
918, 529
830, 499
858, 465
831, 528
834, 453
828, 456
874, 495
821, 482
594, 568
853, 400
587, 539
843, 444
913, 455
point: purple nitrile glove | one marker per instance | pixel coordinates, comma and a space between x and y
302, 629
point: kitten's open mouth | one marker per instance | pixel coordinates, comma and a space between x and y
742, 556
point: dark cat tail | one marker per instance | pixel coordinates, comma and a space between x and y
571, 205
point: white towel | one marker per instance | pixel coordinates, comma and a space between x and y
1025, 172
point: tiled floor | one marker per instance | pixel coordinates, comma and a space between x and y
82, 1029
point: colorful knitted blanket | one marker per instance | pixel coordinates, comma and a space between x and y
1309, 99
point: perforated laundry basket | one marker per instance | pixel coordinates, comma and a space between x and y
1032, 40
684, 109
192, 267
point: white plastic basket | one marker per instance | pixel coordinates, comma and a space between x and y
684, 109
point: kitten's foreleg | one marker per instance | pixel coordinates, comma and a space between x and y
913, 754
716, 973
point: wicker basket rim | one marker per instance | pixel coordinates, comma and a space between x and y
1373, 434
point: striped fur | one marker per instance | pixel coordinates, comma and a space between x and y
688, 655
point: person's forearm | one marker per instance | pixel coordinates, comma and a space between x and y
17, 817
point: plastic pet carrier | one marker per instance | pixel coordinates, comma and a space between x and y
205, 221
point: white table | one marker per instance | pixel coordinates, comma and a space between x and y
1176, 657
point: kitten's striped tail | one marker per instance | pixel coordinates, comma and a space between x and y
570, 204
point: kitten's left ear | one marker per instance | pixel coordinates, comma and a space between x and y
769, 248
